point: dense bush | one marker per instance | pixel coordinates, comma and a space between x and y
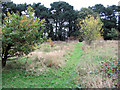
20, 33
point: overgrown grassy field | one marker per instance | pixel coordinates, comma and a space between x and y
96, 68
65, 65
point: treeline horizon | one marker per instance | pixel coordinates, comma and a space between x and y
62, 20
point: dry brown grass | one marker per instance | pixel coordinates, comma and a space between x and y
42, 60
48, 56
102, 48
54, 58
96, 82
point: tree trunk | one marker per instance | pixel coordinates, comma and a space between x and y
4, 58
4, 62
70, 29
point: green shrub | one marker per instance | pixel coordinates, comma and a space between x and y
91, 28
113, 34
20, 33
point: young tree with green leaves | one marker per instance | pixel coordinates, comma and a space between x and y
90, 28
109, 18
20, 33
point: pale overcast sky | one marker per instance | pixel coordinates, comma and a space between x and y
76, 3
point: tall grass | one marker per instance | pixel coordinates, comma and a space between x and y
90, 75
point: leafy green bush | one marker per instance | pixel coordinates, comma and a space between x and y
90, 28
20, 33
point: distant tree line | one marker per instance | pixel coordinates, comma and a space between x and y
62, 20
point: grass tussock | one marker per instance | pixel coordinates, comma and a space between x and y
55, 58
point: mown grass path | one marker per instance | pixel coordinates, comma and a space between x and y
64, 77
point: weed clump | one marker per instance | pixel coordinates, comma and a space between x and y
110, 70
